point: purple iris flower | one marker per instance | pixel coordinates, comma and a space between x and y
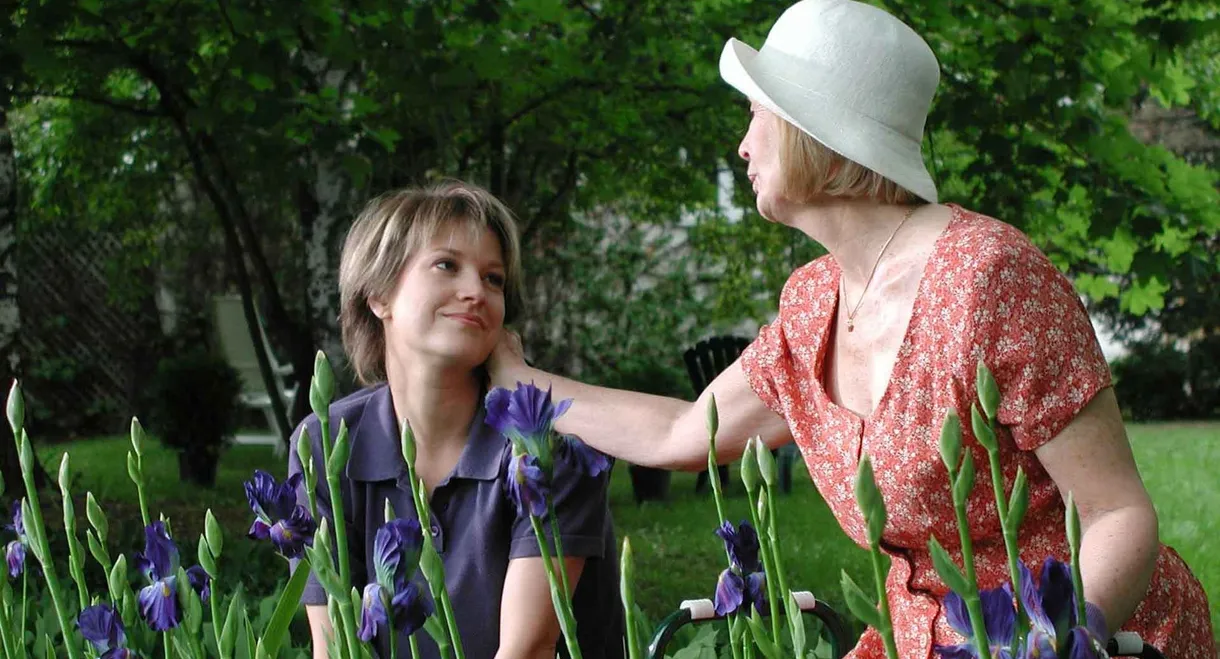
396, 549
407, 609
742, 545
158, 601
999, 619
745, 582
14, 552
393, 599
527, 485
734, 593
103, 628
278, 515
201, 581
526, 416
1051, 606
591, 461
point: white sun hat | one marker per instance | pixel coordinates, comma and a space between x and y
853, 77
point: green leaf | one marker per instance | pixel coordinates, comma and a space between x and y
290, 600
137, 436
713, 418
228, 633
988, 390
339, 453
762, 636
964, 482
951, 441
1144, 295
1018, 502
949, 573
982, 430
213, 533
749, 468
859, 604
206, 559
97, 549
16, 408
117, 580
868, 497
796, 625
766, 462
96, 516
260, 82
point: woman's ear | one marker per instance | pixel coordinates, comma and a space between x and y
379, 308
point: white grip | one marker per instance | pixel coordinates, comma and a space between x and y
1128, 643
805, 600
700, 609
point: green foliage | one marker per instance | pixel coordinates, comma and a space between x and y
602, 125
1159, 381
194, 403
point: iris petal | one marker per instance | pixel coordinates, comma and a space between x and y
730, 593
158, 605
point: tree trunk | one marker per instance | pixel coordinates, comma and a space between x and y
321, 209
10, 316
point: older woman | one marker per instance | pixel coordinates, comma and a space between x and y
877, 340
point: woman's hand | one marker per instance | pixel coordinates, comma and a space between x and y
506, 366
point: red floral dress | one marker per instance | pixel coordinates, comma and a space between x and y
986, 293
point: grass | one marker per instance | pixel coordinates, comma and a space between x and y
676, 555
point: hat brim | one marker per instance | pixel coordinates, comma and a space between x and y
847, 133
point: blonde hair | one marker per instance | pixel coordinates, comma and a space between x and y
384, 237
812, 170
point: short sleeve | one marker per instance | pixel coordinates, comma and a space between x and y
759, 361
1035, 336
314, 593
583, 509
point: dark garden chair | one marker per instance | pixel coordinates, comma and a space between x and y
704, 362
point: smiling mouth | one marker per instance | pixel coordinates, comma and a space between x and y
468, 319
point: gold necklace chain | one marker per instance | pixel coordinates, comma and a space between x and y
851, 314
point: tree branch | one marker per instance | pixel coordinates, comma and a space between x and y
96, 100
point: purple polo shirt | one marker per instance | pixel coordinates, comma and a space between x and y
475, 525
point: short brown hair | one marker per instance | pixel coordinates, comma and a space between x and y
812, 170
384, 237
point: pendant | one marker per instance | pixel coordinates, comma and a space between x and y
850, 325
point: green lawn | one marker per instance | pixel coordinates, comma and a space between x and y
677, 557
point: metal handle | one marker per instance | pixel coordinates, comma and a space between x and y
702, 610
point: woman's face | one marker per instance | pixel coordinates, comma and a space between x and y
760, 149
448, 306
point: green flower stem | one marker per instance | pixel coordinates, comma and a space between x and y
563, 611
139, 462
76, 563
973, 604
332, 482
773, 536
1010, 535
768, 567
393, 642
567, 592
6, 642
883, 604
414, 647
339, 630
217, 621
21, 641
38, 534
169, 651
424, 515
732, 646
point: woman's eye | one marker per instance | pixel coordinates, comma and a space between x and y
446, 264
496, 280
